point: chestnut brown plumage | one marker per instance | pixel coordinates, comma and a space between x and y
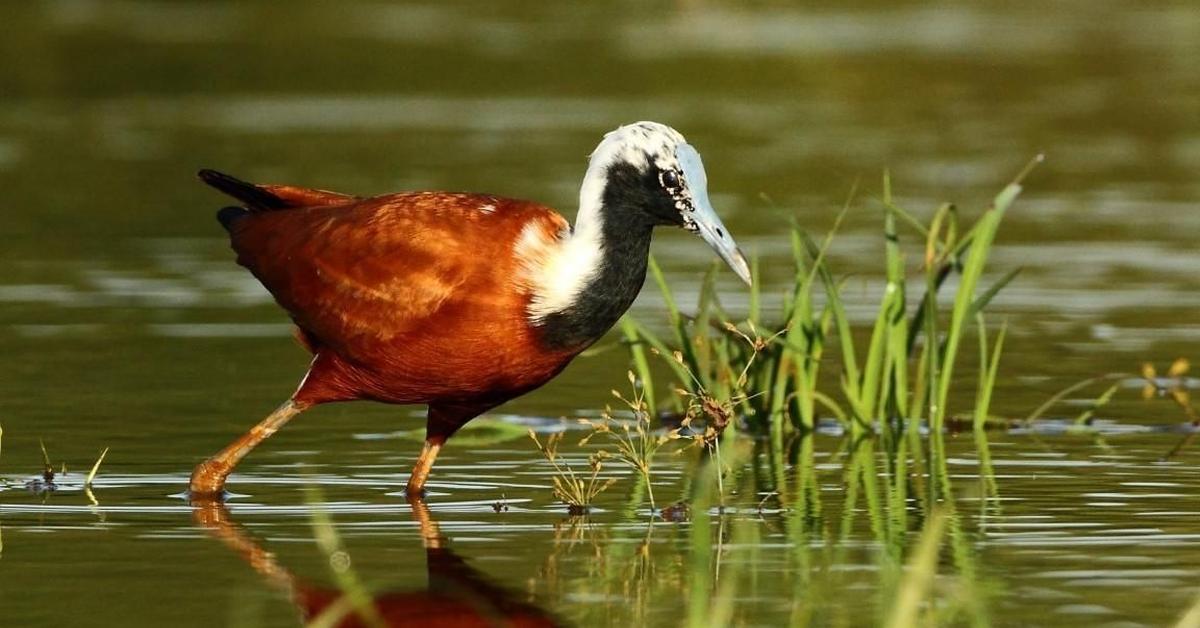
458, 301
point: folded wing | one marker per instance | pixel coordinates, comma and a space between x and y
357, 274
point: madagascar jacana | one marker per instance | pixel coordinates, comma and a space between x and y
458, 301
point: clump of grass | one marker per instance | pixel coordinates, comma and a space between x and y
716, 412
576, 490
894, 379
636, 446
46, 483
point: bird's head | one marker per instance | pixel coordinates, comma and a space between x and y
649, 169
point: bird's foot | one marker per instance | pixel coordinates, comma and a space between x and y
208, 480
415, 493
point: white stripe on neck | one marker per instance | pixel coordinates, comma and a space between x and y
558, 268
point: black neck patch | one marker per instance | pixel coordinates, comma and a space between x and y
630, 208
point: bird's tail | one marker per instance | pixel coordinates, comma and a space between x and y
263, 198
255, 197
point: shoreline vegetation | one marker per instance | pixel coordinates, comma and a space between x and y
759, 388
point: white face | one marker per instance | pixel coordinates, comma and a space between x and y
640, 144
556, 270
649, 146
680, 173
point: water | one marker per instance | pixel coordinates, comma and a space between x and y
125, 323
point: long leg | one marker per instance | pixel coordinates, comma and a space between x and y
443, 421
420, 473
208, 479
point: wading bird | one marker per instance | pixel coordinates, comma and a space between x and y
458, 301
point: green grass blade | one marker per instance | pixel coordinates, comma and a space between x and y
987, 226
1085, 417
47, 468
654, 341
991, 292
665, 290
679, 324
852, 377
895, 360
755, 293
703, 320
95, 468
934, 278
987, 370
833, 407
873, 367
1059, 396
920, 388
907, 218
641, 364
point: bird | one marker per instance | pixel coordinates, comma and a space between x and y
457, 301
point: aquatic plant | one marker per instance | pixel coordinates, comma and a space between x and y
46, 482
1084, 418
95, 468
773, 370
47, 468
636, 446
576, 490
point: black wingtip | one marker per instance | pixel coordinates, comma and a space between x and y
208, 175
227, 216
252, 195
220, 180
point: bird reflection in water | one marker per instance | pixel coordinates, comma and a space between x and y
456, 595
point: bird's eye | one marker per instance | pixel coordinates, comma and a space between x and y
669, 179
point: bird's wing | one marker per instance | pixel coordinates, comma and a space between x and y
356, 274
307, 197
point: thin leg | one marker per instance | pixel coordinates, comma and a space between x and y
208, 479
420, 472
443, 421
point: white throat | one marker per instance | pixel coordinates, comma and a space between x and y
561, 268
